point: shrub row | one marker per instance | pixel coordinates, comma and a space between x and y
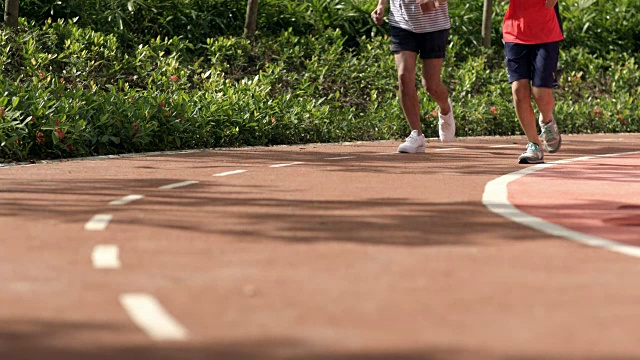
70, 90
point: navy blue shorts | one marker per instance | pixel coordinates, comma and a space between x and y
536, 62
430, 45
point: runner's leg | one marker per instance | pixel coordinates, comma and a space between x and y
407, 92
521, 91
431, 69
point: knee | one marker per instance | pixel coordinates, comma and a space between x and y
521, 94
433, 89
542, 95
405, 80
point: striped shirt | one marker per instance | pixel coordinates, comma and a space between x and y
407, 14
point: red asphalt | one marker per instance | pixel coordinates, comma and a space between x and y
597, 196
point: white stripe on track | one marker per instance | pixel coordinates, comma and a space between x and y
230, 173
340, 158
449, 149
149, 315
127, 199
496, 199
289, 164
98, 222
106, 256
504, 146
177, 185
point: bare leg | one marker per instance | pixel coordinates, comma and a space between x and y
524, 110
407, 92
431, 81
545, 102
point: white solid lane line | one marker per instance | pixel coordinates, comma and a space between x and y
289, 164
177, 185
504, 146
98, 222
127, 199
149, 315
230, 173
106, 256
449, 149
340, 158
496, 199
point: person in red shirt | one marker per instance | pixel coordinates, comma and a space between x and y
532, 31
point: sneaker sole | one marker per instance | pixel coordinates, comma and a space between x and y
415, 152
525, 161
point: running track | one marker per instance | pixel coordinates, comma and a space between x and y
325, 252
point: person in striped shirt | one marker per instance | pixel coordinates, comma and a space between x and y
419, 27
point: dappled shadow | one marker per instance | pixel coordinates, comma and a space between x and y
267, 211
36, 340
240, 213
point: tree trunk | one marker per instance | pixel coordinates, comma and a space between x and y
252, 19
486, 23
11, 13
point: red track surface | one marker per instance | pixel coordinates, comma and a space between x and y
365, 257
599, 196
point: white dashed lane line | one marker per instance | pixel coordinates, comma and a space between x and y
106, 256
149, 315
340, 158
230, 173
177, 185
449, 149
289, 164
127, 199
98, 222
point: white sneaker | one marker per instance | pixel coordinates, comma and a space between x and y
447, 125
412, 144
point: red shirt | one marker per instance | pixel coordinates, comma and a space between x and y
531, 22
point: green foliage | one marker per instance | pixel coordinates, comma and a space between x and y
113, 76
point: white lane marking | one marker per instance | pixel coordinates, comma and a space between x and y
147, 312
448, 149
106, 256
504, 146
386, 153
230, 173
289, 164
127, 199
496, 199
340, 158
98, 222
177, 185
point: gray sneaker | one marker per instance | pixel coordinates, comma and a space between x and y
550, 135
533, 155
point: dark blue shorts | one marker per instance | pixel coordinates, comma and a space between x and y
430, 45
536, 62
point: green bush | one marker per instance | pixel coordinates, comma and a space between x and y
95, 82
